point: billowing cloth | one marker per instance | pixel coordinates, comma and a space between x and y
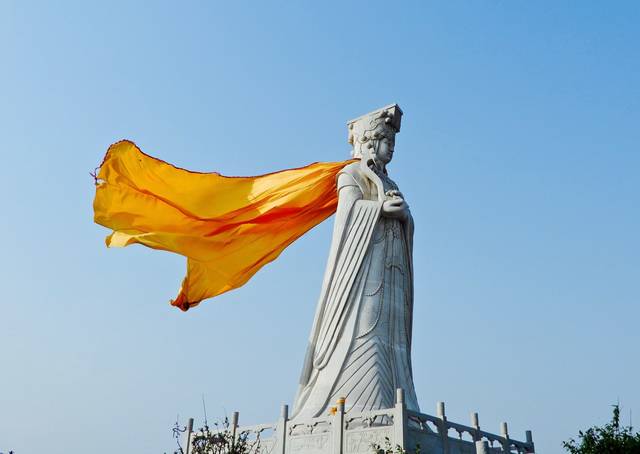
227, 227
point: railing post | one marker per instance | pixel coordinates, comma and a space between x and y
482, 447
444, 430
475, 423
188, 436
504, 431
529, 437
338, 430
400, 420
234, 427
282, 428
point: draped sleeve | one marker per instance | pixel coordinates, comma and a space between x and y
354, 223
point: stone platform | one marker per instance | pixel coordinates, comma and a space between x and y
347, 433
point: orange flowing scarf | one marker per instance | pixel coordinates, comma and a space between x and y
227, 227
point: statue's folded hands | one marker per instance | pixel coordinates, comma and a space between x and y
395, 208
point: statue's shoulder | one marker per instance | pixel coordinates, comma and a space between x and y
352, 167
351, 175
353, 170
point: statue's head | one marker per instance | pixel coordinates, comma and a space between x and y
373, 135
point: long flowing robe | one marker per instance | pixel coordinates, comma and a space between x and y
360, 342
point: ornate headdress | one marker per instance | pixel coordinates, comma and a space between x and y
367, 129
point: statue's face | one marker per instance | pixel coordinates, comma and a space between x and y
385, 149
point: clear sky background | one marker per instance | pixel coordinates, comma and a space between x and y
519, 155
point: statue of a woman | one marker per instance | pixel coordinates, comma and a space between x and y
360, 343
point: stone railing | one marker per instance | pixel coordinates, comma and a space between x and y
347, 433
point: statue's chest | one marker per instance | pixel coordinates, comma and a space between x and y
388, 184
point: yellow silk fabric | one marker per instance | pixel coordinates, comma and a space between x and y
227, 227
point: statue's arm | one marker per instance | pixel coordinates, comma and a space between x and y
348, 192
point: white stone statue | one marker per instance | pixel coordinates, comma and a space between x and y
360, 343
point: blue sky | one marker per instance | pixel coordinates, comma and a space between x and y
519, 155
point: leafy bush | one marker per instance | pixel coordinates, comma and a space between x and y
219, 440
610, 439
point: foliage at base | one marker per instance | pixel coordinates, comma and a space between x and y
219, 440
610, 439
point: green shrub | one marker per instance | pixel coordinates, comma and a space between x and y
610, 439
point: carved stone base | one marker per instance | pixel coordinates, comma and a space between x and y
347, 433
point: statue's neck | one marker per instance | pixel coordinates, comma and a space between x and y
379, 167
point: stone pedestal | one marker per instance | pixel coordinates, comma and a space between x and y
346, 433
